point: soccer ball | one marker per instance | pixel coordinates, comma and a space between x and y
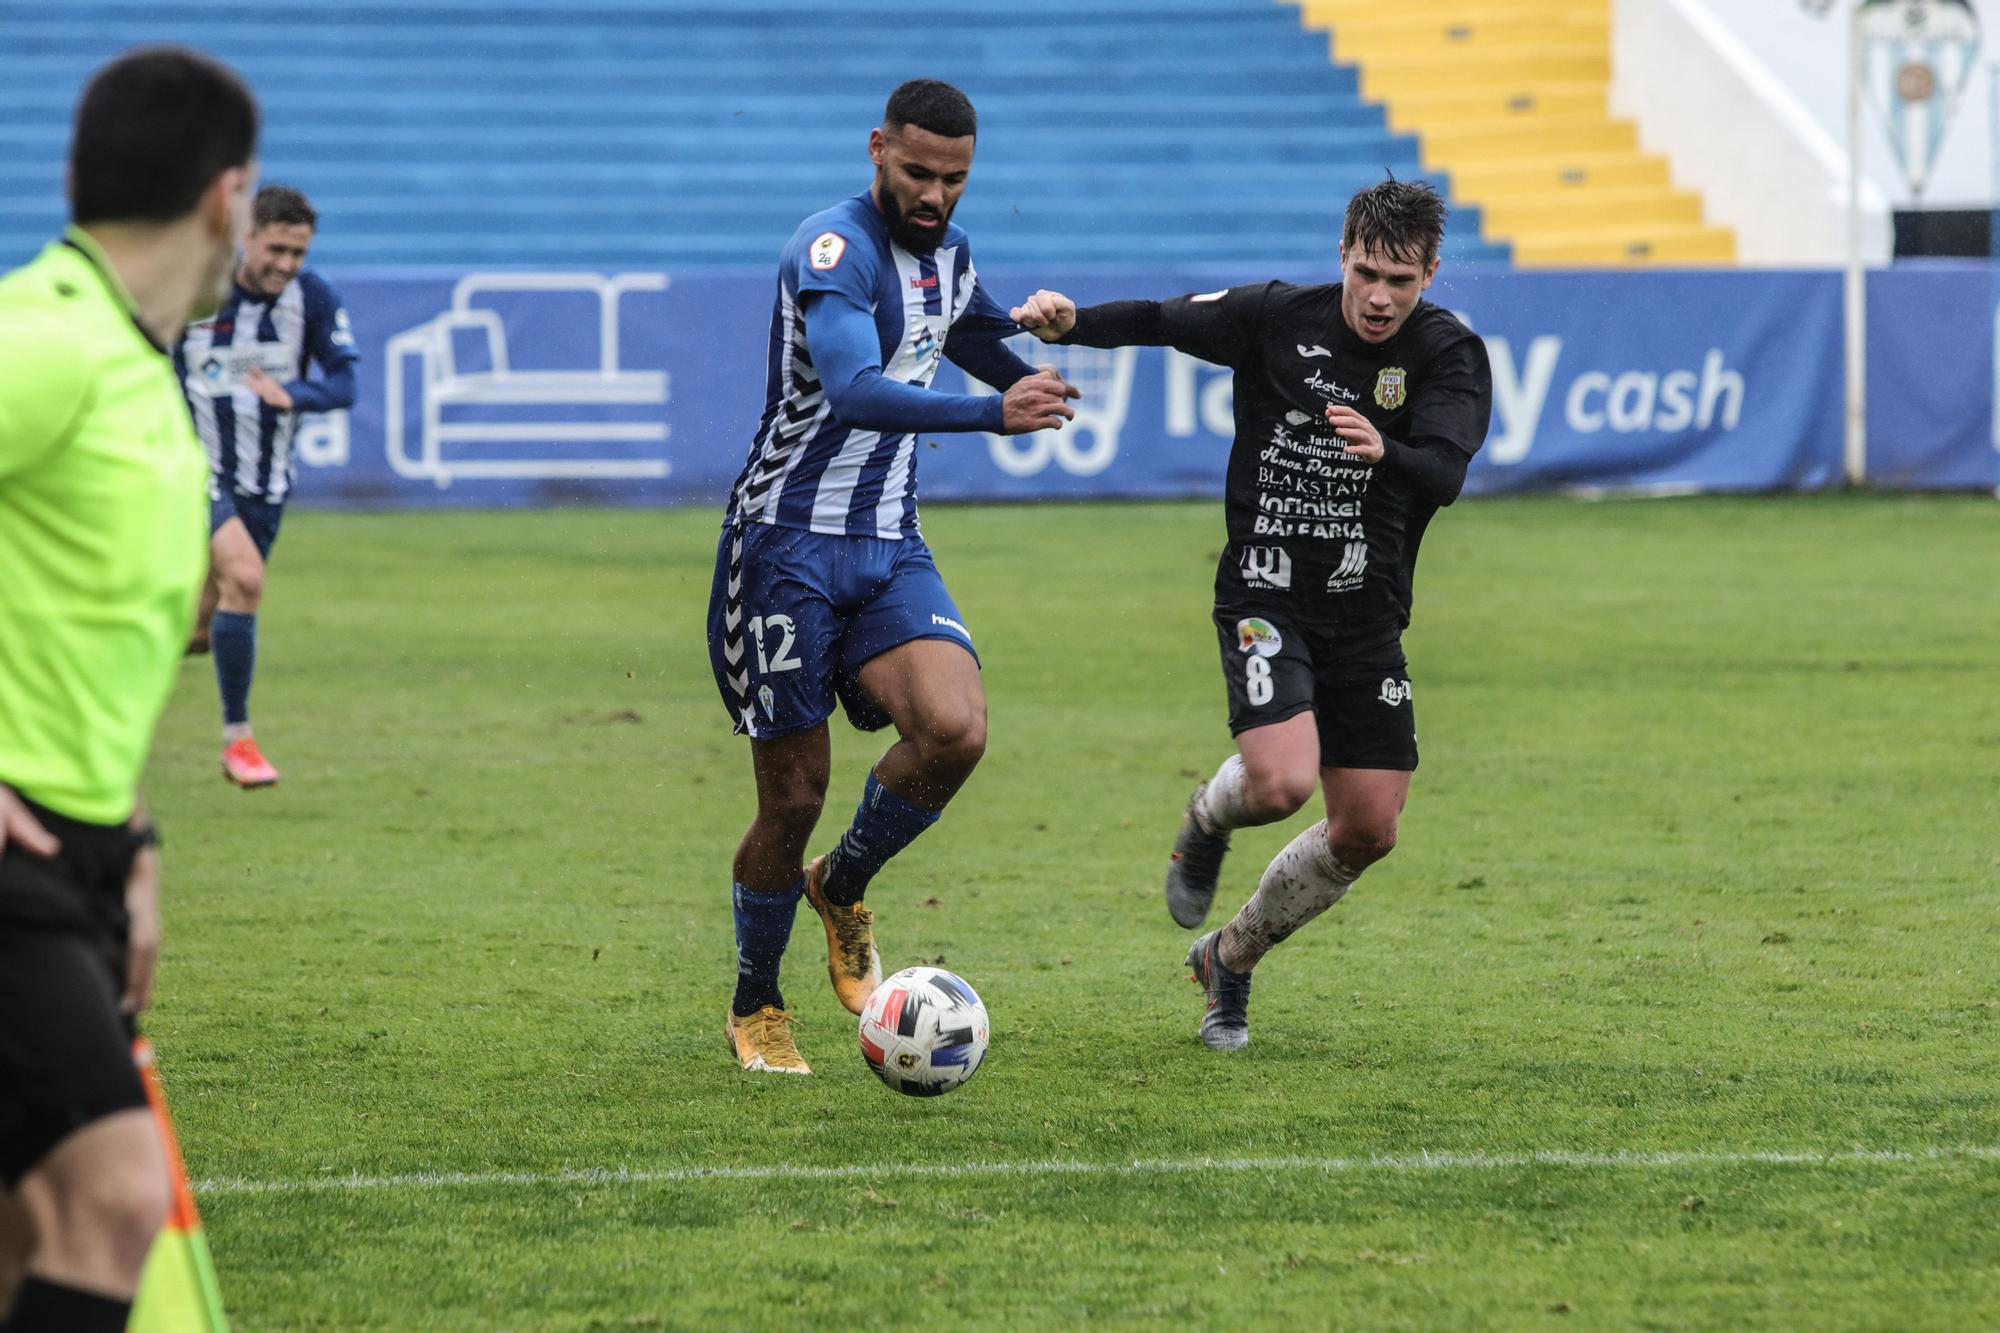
923, 1031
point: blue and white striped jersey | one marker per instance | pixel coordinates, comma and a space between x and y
249, 442
809, 468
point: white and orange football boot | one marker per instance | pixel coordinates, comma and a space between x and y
245, 765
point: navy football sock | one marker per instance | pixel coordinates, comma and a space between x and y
884, 824
232, 638
763, 928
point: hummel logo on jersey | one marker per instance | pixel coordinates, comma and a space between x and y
924, 283
1353, 564
1314, 350
1267, 567
1394, 691
949, 623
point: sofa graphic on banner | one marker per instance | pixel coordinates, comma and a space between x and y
1090, 443
471, 411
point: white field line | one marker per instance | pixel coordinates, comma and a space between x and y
1184, 1166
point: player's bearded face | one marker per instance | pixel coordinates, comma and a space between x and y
919, 177
1378, 291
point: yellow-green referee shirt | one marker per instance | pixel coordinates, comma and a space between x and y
103, 534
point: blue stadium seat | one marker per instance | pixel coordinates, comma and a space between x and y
668, 133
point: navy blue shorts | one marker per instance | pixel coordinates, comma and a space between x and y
260, 518
793, 616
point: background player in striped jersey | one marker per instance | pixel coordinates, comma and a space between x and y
1358, 407
824, 588
244, 371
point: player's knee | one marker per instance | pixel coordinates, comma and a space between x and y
1363, 842
132, 1217
1274, 794
243, 586
968, 740
794, 807
106, 1217
955, 741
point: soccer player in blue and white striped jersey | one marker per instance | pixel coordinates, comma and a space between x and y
244, 371
824, 588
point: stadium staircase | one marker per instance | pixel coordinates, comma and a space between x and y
1508, 98
672, 133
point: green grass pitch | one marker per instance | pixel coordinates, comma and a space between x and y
1701, 865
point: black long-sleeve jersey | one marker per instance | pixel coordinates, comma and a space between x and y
1306, 521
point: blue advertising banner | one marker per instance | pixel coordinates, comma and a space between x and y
1931, 375
523, 388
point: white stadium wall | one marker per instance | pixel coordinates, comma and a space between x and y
1806, 56
1705, 92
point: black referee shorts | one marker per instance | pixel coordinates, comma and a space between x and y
65, 1050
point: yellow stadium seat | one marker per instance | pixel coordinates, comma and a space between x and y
1508, 98
1670, 243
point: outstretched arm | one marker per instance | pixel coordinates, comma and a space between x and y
1216, 326
847, 354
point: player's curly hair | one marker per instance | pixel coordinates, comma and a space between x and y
1401, 219
931, 105
283, 204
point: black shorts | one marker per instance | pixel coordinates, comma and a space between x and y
1356, 681
65, 1050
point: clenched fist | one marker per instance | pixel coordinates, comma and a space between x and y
1048, 315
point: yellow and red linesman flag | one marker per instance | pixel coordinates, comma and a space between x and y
177, 1292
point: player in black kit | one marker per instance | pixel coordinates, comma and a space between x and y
1359, 406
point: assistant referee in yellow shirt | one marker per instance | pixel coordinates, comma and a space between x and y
103, 544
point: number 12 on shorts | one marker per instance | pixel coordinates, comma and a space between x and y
782, 629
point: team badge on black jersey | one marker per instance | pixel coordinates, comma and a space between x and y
1392, 388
